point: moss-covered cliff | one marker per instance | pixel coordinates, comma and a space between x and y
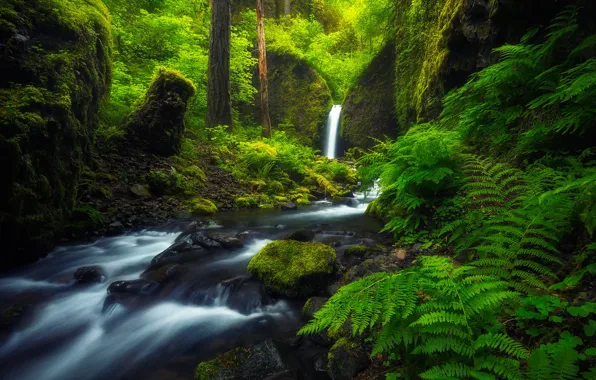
368, 107
441, 42
299, 98
438, 45
55, 59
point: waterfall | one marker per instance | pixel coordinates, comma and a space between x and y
332, 131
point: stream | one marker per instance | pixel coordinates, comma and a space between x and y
78, 331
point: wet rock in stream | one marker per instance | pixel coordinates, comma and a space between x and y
133, 287
88, 275
301, 235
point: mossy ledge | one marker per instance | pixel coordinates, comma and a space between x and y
293, 268
56, 62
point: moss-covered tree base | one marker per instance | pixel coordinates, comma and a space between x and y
158, 125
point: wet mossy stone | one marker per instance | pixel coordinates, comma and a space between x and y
56, 68
356, 251
311, 306
201, 206
257, 362
158, 124
301, 235
293, 268
346, 359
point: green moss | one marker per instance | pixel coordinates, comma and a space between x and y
159, 182
423, 32
290, 267
246, 201
201, 206
158, 124
195, 172
341, 344
53, 85
210, 369
357, 250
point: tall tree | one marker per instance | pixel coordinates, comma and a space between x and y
265, 120
219, 103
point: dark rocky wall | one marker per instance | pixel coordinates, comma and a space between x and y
299, 98
439, 44
55, 60
368, 107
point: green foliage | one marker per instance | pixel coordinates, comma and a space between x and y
535, 95
435, 309
416, 172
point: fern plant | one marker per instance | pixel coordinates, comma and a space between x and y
518, 232
440, 318
534, 94
415, 172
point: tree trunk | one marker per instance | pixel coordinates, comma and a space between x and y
265, 120
219, 103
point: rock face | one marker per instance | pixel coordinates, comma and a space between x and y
159, 124
299, 98
437, 46
56, 67
258, 362
293, 268
368, 108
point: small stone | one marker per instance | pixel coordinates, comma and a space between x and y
289, 207
140, 191
400, 253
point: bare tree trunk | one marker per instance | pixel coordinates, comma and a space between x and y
219, 103
265, 120
287, 7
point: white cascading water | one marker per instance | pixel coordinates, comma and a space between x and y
332, 131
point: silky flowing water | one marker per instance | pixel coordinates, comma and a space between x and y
73, 331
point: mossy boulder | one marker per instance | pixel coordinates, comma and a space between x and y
311, 306
201, 206
299, 98
368, 107
257, 362
56, 68
346, 359
293, 268
158, 124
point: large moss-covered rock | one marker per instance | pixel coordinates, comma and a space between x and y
158, 125
299, 98
55, 59
368, 107
292, 268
